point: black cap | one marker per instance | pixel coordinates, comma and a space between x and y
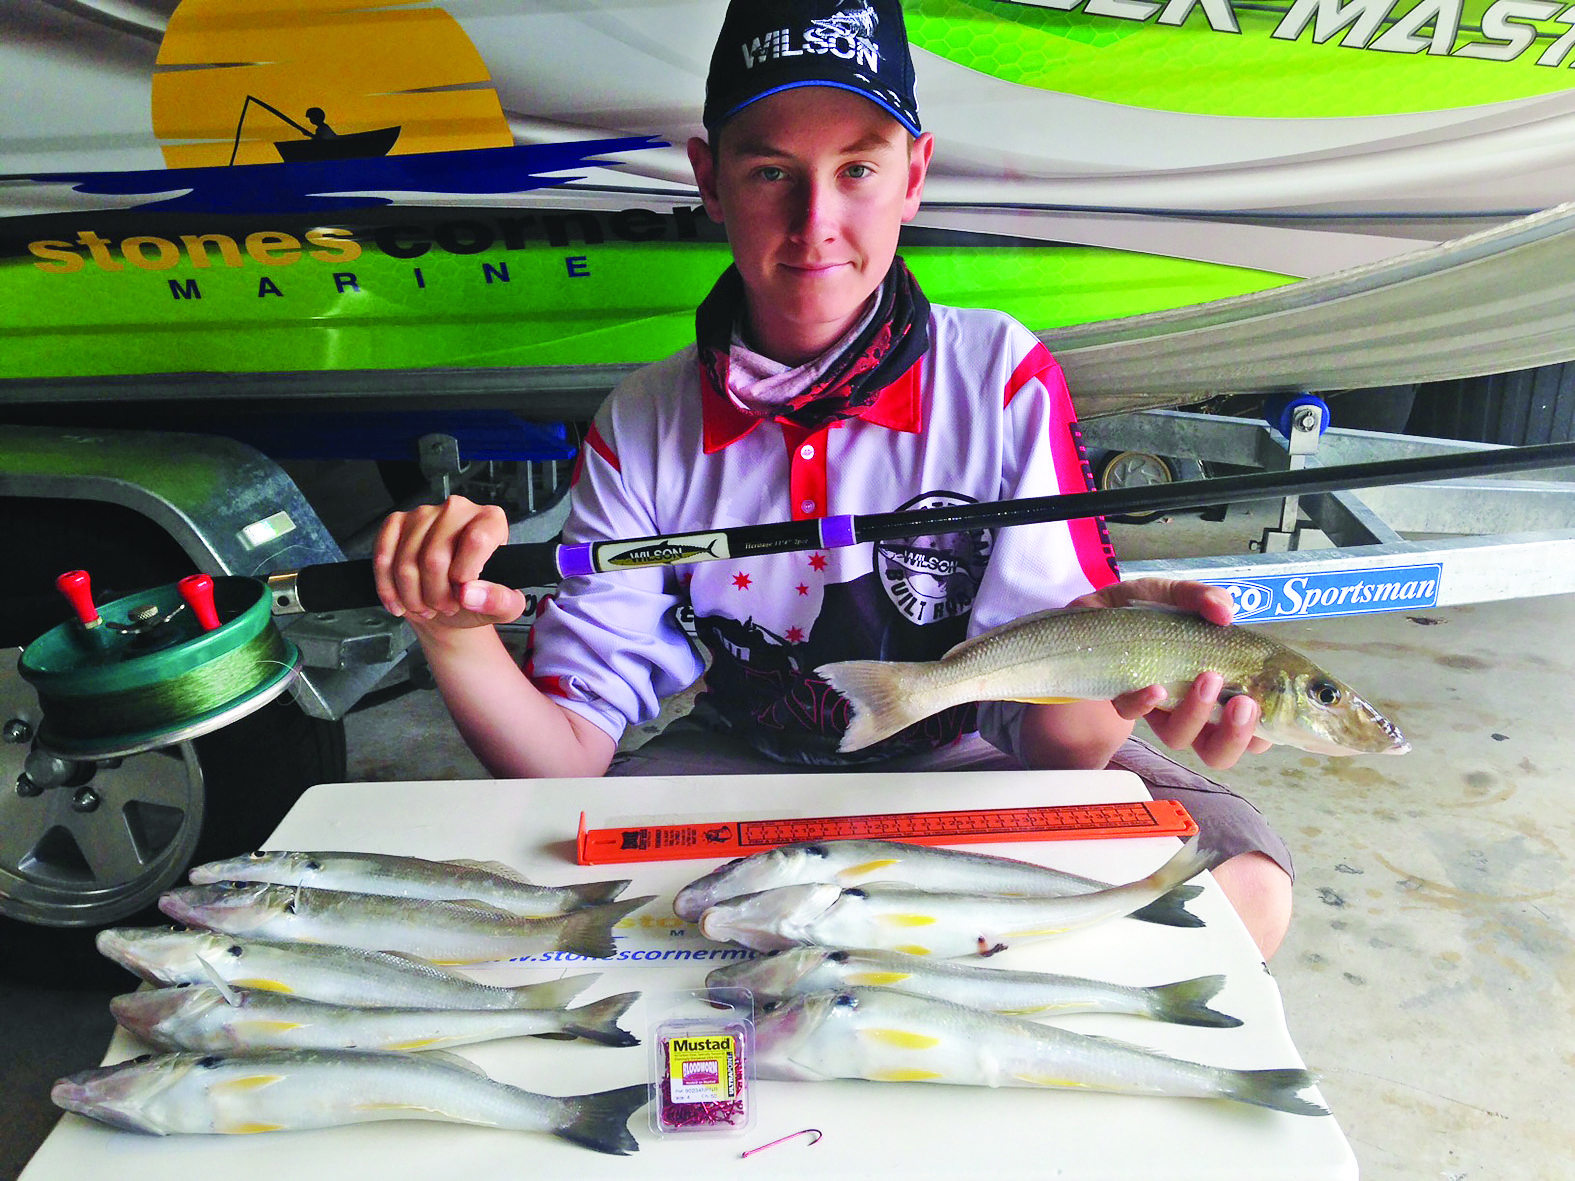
771, 45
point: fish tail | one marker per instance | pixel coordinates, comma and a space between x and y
1186, 1002
1277, 1089
552, 994
879, 697
1169, 909
1190, 860
588, 932
590, 893
600, 1120
598, 1021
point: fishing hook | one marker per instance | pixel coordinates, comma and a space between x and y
815, 1132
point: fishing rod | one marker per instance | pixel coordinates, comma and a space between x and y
345, 585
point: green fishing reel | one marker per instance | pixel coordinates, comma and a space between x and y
156, 668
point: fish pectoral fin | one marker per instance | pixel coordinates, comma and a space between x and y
901, 1038
907, 1074
1045, 700
876, 979
497, 867
457, 1060
858, 872
908, 920
415, 1108
250, 1082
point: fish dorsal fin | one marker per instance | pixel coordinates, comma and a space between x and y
458, 1061
495, 867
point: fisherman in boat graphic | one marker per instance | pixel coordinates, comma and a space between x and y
321, 141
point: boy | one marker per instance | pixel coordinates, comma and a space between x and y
821, 382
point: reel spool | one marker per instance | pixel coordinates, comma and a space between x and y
156, 668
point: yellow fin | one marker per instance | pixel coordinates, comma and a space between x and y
262, 985
270, 1026
908, 920
912, 949
877, 979
1045, 700
905, 1075
251, 1082
901, 1038
854, 872
420, 1043
1045, 1080
249, 1129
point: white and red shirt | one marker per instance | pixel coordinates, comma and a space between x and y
984, 415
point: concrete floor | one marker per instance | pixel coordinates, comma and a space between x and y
1428, 973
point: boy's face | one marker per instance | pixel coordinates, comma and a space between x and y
812, 185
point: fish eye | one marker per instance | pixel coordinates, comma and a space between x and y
838, 957
232, 884
1324, 692
846, 1000
257, 854
209, 1061
179, 927
816, 851
140, 1059
770, 1006
855, 892
235, 949
314, 865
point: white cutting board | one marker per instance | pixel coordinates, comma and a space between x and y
906, 1131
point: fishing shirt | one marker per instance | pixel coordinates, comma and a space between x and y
984, 415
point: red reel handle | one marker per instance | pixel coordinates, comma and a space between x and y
78, 590
197, 590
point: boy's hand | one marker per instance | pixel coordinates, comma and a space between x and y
1186, 724
427, 564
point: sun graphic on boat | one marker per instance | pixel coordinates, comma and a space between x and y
235, 84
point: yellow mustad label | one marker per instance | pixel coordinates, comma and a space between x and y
854, 872
902, 1038
908, 920
906, 1075
251, 1082
262, 985
912, 949
877, 979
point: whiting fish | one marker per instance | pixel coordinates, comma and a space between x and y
441, 931
803, 970
892, 917
320, 971
201, 1017
408, 877
884, 1036
857, 862
1093, 653
287, 1090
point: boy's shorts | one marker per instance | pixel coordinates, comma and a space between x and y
1233, 824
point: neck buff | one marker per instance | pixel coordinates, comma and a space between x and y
892, 343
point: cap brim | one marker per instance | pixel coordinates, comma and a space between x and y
909, 123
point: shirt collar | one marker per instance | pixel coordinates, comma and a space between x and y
898, 407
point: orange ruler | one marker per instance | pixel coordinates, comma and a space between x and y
733, 838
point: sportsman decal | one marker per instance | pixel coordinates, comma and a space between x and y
935, 577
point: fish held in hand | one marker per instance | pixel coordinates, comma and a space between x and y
441, 931
408, 877
201, 1017
289, 1090
1099, 653
892, 917
884, 1036
320, 971
857, 862
803, 970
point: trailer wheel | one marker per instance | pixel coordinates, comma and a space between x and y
1134, 469
98, 845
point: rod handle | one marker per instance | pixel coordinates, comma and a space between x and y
77, 587
342, 586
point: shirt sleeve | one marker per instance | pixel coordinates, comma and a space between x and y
1034, 567
609, 646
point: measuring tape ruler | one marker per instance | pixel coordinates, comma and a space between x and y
732, 838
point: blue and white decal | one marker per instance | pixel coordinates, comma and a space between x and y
1332, 592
